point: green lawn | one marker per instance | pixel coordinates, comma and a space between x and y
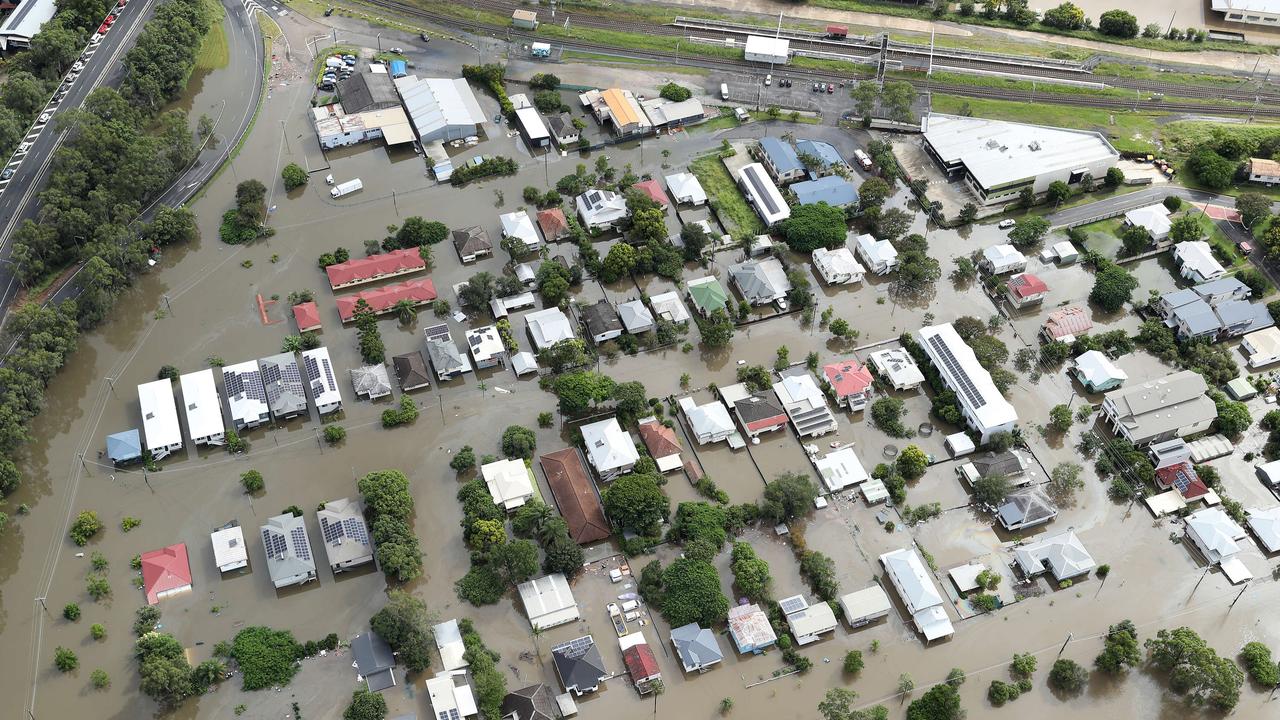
1128, 131
724, 196
213, 53
1147, 72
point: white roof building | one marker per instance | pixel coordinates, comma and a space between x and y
1096, 371
523, 363
1254, 12
666, 113
1063, 555
807, 621
710, 423
669, 306
685, 188
519, 225
448, 637
879, 255
1152, 218
600, 208
371, 381
245, 394
898, 367
805, 404
534, 129
486, 346
918, 592
24, 22
635, 317
548, 601
1261, 347
1001, 259
159, 418
763, 194
610, 449
204, 409
1161, 409
981, 403
839, 266
510, 483
1265, 525
1214, 534
1197, 261
440, 108
762, 48
229, 551
449, 700
317, 370
840, 469
865, 605
548, 327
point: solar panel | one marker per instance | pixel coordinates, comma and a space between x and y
328, 375
234, 383
793, 604
301, 547
355, 530
959, 376
330, 530
753, 177
313, 368
274, 543
1181, 481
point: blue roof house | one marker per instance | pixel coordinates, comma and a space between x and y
123, 447
832, 190
826, 153
781, 160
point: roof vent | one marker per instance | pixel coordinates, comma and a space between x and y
1034, 145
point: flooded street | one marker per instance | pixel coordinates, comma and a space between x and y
200, 305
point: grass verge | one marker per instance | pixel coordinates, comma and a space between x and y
1128, 131
723, 194
214, 53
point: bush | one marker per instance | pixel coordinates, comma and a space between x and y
65, 659
252, 481
886, 414
1000, 693
1068, 676
294, 176
403, 415
853, 662
145, 619
463, 460
266, 657
1258, 662
334, 434
480, 586
71, 611
518, 442
675, 93
365, 705
100, 679
97, 631
1118, 23
546, 419
85, 527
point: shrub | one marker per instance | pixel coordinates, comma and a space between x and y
65, 659
463, 460
129, 523
100, 679
886, 414
334, 434
546, 419
294, 176
1260, 665
85, 527
97, 587
252, 481
853, 662
518, 441
71, 611
1068, 676
266, 657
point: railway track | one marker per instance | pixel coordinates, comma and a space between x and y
743, 67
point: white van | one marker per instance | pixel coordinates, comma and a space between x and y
724, 91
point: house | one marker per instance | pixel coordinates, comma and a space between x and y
1214, 534
307, 316
452, 649
832, 190
1002, 259
819, 158
1265, 525
1025, 509
445, 357
548, 601
554, 225
602, 321
983, 406
640, 662
918, 593
523, 363
203, 408
1152, 218
707, 295
411, 371
346, 537
850, 381
805, 405
709, 423
600, 209
669, 307
652, 190
440, 109
229, 551
781, 159
1261, 347
1169, 453
282, 380
1196, 260
697, 647
838, 267
1066, 324
610, 449
472, 243
864, 606
548, 327
374, 660
371, 381
1260, 170
358, 271
1239, 317
318, 371
758, 412
663, 113
808, 622
575, 495
1062, 555
532, 128
165, 572
1222, 289
617, 108
761, 281
1193, 319
579, 665
1172, 406
686, 189
750, 629
449, 700
159, 418
1096, 372
510, 483
1009, 463
840, 469
518, 227
487, 349
288, 550
502, 307
635, 317
383, 300
897, 367
662, 444
1025, 289
529, 703
1269, 473
763, 194
246, 396
1183, 478
563, 131
878, 256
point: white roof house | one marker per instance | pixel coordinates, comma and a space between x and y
229, 551
519, 225
710, 423
159, 418
1152, 218
204, 409
865, 605
839, 266
1063, 555
610, 449
600, 208
371, 381
1197, 261
548, 601
1161, 409
898, 367
24, 22
1265, 525
548, 327
669, 306
448, 637
918, 592
245, 394
635, 317
763, 194
879, 255
1214, 534
317, 370
440, 108
486, 346
510, 483
1261, 347
685, 188
840, 469
981, 403
805, 404
449, 700
1097, 372
807, 621
1001, 259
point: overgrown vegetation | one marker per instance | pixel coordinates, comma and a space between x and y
390, 506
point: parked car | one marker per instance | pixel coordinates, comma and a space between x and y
830, 88
1006, 223
424, 37
45, 116
8, 173
24, 147
328, 12
77, 67
397, 51
768, 79
1245, 247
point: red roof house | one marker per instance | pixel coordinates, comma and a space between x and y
1184, 478
1067, 324
662, 443
375, 267
553, 223
654, 191
383, 299
641, 665
307, 315
575, 495
1025, 288
165, 572
851, 381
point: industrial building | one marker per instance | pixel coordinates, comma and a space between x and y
24, 22
983, 407
440, 108
999, 159
1253, 12
618, 108
532, 128
204, 410
335, 128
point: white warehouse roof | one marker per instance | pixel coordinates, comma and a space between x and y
532, 123
24, 22
771, 46
159, 414
437, 104
204, 411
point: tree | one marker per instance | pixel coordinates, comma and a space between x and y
266, 657
1114, 177
1064, 481
563, 554
544, 81
1135, 239
579, 391
1195, 669
635, 502
750, 572
1028, 231
632, 401
1026, 198
992, 489
145, 619
873, 192
1058, 192
65, 659
1064, 17
837, 705
891, 224
71, 611
406, 624
716, 330
1253, 206
620, 261
814, 226
252, 481
365, 705
463, 460
1259, 664
940, 702
97, 587
1118, 23
518, 441
548, 101
1060, 418
100, 679
294, 176
674, 92
1186, 228
694, 239
515, 562
86, 525
886, 414
820, 572
97, 631
853, 662
1210, 168
1068, 676
1120, 649
788, 496
1112, 287
691, 593
912, 462
1233, 417
417, 232
699, 521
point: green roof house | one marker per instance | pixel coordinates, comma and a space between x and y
707, 295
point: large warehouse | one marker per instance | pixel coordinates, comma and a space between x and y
440, 108
24, 22
998, 159
1255, 12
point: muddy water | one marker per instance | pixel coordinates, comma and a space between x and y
211, 311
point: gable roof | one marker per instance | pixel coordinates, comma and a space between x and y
575, 495
530, 703
847, 377
659, 439
164, 571
653, 190
832, 190
448, 637
343, 532
1025, 285
781, 155
374, 660
1266, 526
548, 601
640, 662
1197, 256
518, 225
686, 185
288, 549
382, 299
759, 280
548, 327
1070, 321
635, 316
908, 575
366, 269
750, 628
282, 380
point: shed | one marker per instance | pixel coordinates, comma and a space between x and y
1241, 389
548, 601
767, 49
124, 447
448, 639
865, 606
523, 363
531, 126
525, 19
959, 444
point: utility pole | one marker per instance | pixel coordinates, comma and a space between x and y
1064, 644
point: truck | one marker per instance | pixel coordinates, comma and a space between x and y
863, 158
346, 188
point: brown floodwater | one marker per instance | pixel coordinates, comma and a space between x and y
200, 303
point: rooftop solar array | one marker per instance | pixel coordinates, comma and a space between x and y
754, 177
351, 528
274, 543
793, 604
301, 547
576, 647
960, 377
450, 714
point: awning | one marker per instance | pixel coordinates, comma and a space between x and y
1236, 572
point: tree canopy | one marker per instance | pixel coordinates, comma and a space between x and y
691, 593
636, 502
1112, 286
406, 624
789, 495
814, 226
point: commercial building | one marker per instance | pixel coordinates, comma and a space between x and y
774, 50
283, 382
999, 159
610, 449
918, 593
763, 194
246, 396
159, 418
805, 405
897, 367
204, 409
441, 109
382, 300
366, 91
346, 538
663, 113
24, 22
357, 271
619, 109
1158, 410
532, 128
318, 371
288, 550
575, 495
336, 128
838, 267
548, 601
879, 256
510, 483
781, 159
1253, 12
983, 406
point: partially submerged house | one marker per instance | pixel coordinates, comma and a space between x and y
203, 408
1214, 534
283, 382
686, 189
318, 369
307, 316
246, 396
383, 300
758, 412
805, 404
832, 190
124, 447
864, 606
510, 483
709, 423
669, 307
575, 495
579, 665
760, 281
602, 321
1002, 259
878, 256
600, 209
1061, 555
554, 224
697, 647
449, 699
548, 327
159, 418
840, 469
371, 381
918, 592
1162, 409
808, 622
1196, 261
411, 371
381, 266
609, 448
1025, 289
346, 537
1096, 372
635, 317
529, 703
548, 601
472, 243
486, 346
981, 402
662, 444
1025, 509
445, 356
374, 660
1265, 525
897, 367
518, 227
229, 550
850, 382
452, 649
288, 550
838, 266
165, 572
640, 662
1066, 324
707, 295
750, 629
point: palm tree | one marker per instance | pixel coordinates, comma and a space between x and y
537, 635
657, 688
406, 310
291, 344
